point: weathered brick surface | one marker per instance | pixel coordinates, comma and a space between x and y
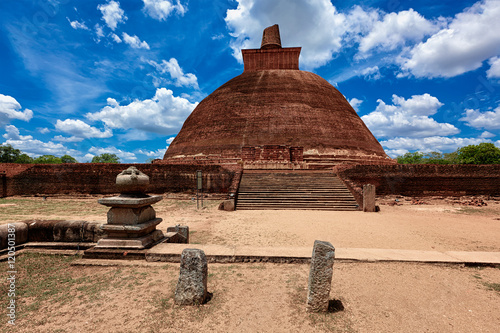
424, 179
93, 178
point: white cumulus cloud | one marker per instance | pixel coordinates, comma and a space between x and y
176, 73
10, 109
470, 38
401, 145
163, 114
494, 71
161, 9
408, 117
315, 25
159, 153
134, 41
355, 103
80, 129
34, 147
12, 133
395, 29
112, 14
123, 155
489, 120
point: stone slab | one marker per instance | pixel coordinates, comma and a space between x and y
134, 228
130, 243
475, 257
224, 254
130, 201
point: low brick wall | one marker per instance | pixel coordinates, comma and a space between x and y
424, 179
98, 178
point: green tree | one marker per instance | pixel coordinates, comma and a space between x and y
47, 159
9, 154
25, 159
483, 153
411, 158
435, 157
68, 159
106, 158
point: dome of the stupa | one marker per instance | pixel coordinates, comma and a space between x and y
294, 114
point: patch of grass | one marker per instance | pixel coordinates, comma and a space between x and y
492, 286
475, 211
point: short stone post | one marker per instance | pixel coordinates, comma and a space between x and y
320, 277
369, 198
192, 285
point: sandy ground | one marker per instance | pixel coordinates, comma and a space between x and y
370, 297
437, 226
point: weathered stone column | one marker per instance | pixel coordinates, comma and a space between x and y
192, 285
369, 198
320, 276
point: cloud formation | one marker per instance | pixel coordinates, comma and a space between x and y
489, 120
112, 14
161, 9
470, 38
162, 114
134, 41
408, 117
77, 25
494, 71
80, 129
9, 110
123, 155
176, 73
395, 30
401, 145
299, 26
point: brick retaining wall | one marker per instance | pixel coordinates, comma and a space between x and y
424, 179
99, 178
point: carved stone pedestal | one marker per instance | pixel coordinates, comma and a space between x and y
132, 220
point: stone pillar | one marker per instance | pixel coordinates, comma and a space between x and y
320, 276
369, 198
192, 285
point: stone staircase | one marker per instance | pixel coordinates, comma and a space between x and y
293, 190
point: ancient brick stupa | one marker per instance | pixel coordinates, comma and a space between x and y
274, 113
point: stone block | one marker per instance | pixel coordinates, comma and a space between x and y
128, 216
136, 243
228, 205
68, 231
93, 232
41, 231
20, 233
183, 231
192, 285
369, 198
320, 276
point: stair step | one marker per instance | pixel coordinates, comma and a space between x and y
294, 190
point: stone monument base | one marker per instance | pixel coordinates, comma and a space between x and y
140, 243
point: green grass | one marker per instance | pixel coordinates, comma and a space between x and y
492, 286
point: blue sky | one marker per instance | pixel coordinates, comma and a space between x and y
90, 77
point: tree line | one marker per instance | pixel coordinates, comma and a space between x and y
9, 154
483, 153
